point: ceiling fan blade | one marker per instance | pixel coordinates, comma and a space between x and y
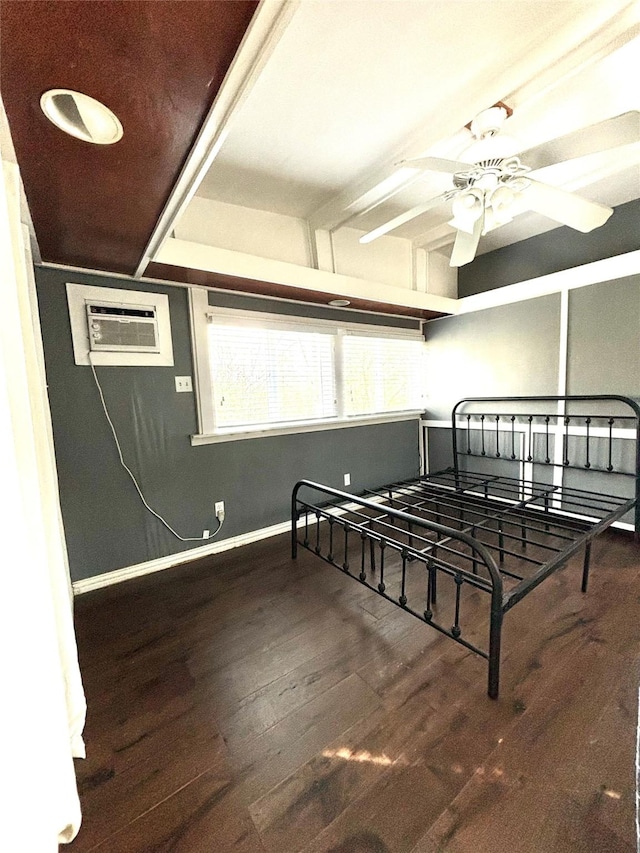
436, 164
397, 221
466, 245
602, 136
565, 207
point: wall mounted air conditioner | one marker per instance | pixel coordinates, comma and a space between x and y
119, 327
116, 327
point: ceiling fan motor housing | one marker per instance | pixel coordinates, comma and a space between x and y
488, 122
490, 146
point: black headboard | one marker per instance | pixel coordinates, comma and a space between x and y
576, 432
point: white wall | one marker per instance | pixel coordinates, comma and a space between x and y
390, 261
44, 707
244, 229
387, 260
442, 279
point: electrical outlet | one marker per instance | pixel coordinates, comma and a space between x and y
347, 479
219, 509
183, 383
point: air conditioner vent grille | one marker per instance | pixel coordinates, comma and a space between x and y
122, 328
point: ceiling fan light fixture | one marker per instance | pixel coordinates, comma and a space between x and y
491, 182
493, 220
467, 208
500, 200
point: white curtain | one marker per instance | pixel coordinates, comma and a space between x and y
42, 704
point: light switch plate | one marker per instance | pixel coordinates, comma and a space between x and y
183, 383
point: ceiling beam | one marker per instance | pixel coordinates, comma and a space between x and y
239, 265
261, 38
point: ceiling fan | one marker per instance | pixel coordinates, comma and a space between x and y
492, 183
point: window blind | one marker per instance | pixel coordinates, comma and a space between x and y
382, 374
268, 376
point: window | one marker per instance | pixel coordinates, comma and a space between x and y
381, 374
270, 375
266, 373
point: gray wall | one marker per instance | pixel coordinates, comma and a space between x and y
560, 249
505, 351
604, 338
105, 523
514, 350
509, 350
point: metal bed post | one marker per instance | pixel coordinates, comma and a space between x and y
294, 521
637, 507
585, 568
495, 635
454, 440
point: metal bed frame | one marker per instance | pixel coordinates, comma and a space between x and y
497, 532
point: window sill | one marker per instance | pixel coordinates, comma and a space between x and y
315, 426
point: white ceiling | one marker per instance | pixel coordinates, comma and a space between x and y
352, 86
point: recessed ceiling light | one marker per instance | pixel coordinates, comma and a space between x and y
81, 116
339, 303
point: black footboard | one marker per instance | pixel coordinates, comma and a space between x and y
402, 558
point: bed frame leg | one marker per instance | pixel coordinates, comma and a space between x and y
433, 584
494, 653
294, 523
585, 568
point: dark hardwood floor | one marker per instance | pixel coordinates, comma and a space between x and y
253, 704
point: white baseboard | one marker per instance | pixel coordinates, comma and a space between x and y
137, 571
140, 569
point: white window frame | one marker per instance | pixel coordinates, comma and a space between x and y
208, 433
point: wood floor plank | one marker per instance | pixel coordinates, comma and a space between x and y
205, 816
392, 748
112, 798
268, 705
243, 677
264, 761
364, 765
255, 704
527, 777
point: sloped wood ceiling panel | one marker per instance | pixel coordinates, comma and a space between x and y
158, 65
